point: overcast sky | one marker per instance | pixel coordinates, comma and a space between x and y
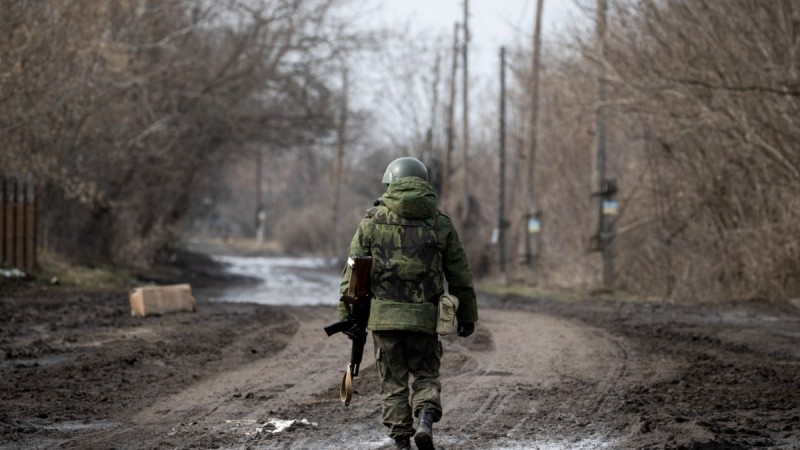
493, 23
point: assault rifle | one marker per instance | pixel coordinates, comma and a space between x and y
358, 299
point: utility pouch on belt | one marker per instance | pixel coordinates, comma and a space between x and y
446, 320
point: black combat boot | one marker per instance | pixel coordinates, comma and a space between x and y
424, 436
402, 443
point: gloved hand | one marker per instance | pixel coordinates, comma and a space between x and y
465, 329
352, 332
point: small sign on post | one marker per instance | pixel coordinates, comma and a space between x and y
534, 227
609, 210
610, 207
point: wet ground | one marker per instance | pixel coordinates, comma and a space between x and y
77, 371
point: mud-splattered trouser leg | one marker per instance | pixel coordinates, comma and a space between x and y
398, 354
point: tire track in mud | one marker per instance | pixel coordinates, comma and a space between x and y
491, 381
225, 409
297, 383
536, 374
498, 400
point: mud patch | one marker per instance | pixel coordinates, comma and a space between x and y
73, 363
76, 371
252, 427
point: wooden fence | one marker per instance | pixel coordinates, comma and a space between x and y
18, 221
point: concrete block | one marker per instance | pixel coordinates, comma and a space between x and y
154, 300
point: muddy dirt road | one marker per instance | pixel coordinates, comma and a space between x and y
76, 371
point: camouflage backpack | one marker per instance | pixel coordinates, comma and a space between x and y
407, 274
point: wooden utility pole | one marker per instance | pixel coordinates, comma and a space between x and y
449, 128
30, 224
19, 232
2, 220
602, 188
465, 117
501, 210
532, 138
10, 209
429, 144
260, 214
338, 162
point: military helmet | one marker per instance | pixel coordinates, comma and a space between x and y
405, 167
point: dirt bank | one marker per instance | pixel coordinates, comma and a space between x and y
76, 371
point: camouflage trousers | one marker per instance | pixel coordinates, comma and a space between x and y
399, 354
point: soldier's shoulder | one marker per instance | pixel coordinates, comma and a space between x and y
444, 219
375, 210
443, 225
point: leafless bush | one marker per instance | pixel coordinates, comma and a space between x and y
714, 87
122, 107
703, 129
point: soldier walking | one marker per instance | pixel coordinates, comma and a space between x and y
414, 249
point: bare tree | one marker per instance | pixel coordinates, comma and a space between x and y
713, 85
123, 106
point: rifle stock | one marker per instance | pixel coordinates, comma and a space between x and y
358, 299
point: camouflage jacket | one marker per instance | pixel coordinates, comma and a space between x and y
414, 249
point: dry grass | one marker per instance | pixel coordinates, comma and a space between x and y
55, 269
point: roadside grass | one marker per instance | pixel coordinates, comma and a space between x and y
233, 246
561, 295
526, 291
56, 270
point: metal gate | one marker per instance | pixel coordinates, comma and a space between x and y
18, 221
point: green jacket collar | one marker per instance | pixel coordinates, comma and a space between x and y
411, 198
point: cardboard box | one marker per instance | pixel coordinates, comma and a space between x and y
151, 300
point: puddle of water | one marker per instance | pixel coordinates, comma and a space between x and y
80, 426
745, 318
42, 361
283, 281
378, 443
69, 425
790, 334
590, 443
251, 427
12, 273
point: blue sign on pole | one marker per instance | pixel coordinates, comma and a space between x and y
534, 226
610, 207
